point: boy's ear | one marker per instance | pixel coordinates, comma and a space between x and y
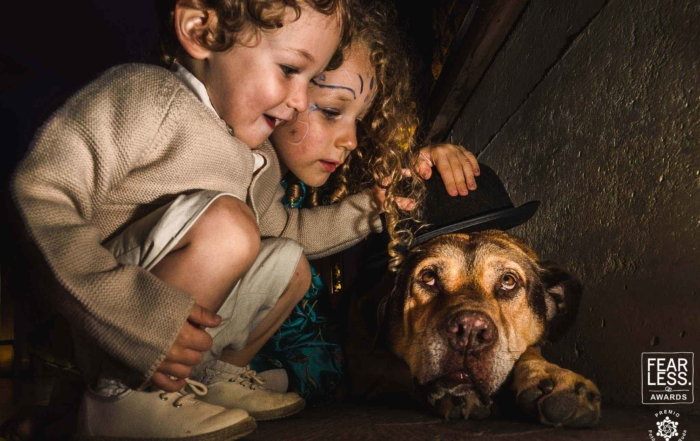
562, 295
192, 27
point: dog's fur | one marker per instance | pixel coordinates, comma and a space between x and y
464, 317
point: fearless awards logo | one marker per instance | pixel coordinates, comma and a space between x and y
667, 378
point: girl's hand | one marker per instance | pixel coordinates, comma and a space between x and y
379, 194
457, 167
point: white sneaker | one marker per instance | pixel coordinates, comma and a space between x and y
242, 388
136, 415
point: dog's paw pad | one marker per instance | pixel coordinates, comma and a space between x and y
559, 407
528, 399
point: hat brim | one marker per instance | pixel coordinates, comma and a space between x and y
499, 220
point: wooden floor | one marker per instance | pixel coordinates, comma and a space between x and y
369, 424
352, 422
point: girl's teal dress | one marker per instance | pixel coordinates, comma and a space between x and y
307, 344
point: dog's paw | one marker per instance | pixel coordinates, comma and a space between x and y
458, 404
557, 396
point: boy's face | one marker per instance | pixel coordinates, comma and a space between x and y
323, 136
259, 84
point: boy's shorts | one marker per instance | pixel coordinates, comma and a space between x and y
148, 240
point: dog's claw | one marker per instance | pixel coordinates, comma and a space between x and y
587, 419
546, 385
465, 407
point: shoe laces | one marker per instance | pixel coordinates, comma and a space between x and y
248, 378
195, 389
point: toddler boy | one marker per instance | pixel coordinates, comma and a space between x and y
134, 193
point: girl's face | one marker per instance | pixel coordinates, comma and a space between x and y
323, 136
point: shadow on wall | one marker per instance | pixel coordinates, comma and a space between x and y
607, 136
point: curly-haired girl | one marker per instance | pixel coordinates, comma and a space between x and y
369, 93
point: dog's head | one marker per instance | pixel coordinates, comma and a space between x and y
466, 306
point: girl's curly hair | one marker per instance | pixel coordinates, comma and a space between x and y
236, 17
386, 136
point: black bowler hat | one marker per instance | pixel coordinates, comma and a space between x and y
486, 208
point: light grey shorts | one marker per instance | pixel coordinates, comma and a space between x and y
148, 240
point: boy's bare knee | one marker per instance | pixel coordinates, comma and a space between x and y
228, 228
231, 211
301, 280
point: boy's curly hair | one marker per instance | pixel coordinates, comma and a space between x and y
235, 17
386, 136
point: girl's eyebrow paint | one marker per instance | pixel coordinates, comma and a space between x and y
330, 86
362, 83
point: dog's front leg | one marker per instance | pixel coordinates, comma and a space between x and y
556, 396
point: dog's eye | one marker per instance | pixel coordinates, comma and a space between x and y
508, 282
428, 277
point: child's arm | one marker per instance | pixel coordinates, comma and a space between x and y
323, 230
329, 229
83, 151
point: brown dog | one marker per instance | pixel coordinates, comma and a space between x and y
466, 315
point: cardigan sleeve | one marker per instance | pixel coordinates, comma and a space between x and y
84, 149
323, 230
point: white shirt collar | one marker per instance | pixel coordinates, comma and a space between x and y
193, 84
198, 88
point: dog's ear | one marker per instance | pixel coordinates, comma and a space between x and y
384, 311
562, 296
396, 289
381, 336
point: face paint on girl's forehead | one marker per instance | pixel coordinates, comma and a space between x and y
321, 78
333, 86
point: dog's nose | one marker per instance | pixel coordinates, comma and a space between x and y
471, 331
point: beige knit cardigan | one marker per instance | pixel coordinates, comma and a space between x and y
127, 143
